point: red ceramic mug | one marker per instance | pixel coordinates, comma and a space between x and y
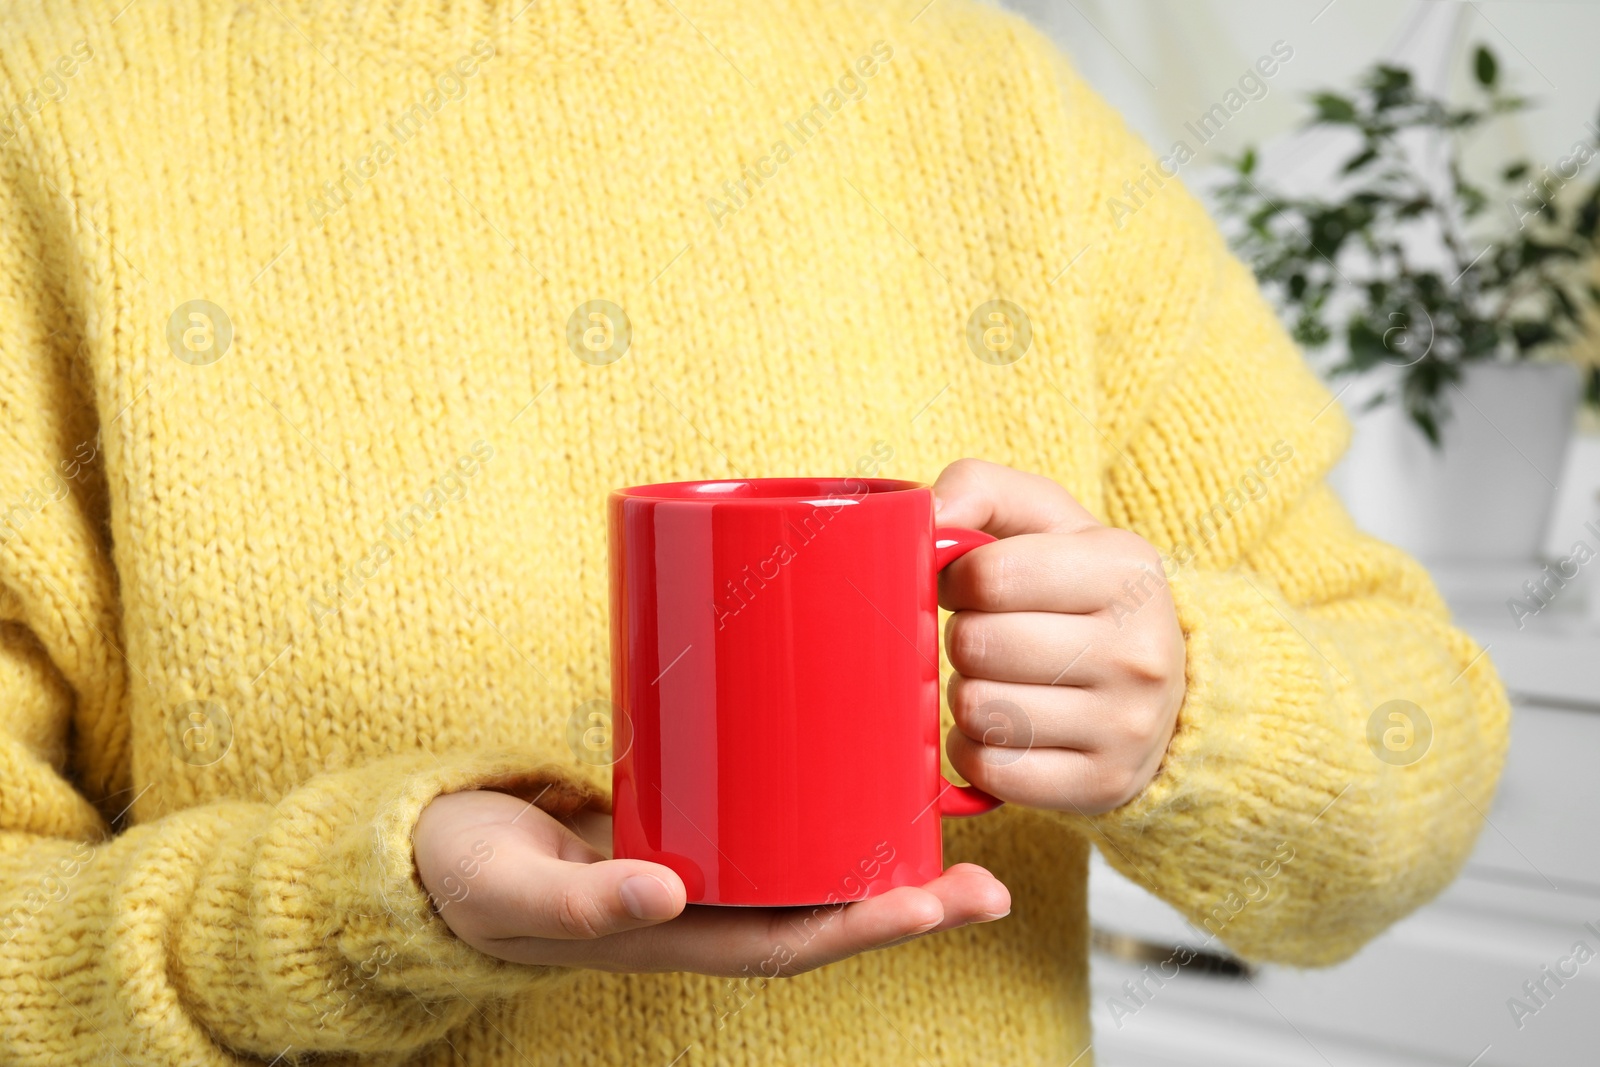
775, 672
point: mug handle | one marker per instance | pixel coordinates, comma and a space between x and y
949, 544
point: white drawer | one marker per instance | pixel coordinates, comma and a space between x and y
1431, 990
1545, 822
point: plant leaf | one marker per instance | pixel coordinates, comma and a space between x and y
1565, 302
1530, 334
1390, 86
1485, 67
1427, 424
1588, 217
1356, 162
1331, 107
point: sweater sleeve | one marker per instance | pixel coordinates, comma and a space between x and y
237, 930
218, 933
1340, 740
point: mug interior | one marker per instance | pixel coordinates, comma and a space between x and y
765, 489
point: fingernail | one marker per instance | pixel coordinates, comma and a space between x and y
989, 917
937, 504
637, 894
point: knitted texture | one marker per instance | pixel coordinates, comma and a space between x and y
309, 412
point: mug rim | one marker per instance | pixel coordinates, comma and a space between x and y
778, 490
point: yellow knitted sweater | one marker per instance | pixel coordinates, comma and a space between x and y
308, 420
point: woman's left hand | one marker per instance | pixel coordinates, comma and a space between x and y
1068, 656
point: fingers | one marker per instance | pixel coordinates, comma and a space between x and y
965, 893
995, 904
1005, 502
1004, 715
1040, 648
538, 893
1056, 779
1098, 569
774, 943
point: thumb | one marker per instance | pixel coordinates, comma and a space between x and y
558, 887
568, 900
1004, 502
534, 877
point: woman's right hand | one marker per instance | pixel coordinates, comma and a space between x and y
516, 883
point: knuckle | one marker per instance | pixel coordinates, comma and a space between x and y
1138, 731
979, 711
967, 641
578, 915
1111, 785
1137, 548
1141, 659
987, 569
960, 478
1131, 552
1006, 725
956, 746
967, 468
959, 695
966, 756
1145, 656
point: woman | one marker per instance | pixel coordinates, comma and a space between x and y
326, 329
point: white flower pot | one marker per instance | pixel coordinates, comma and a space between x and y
1486, 496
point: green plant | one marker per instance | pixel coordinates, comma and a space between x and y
1404, 264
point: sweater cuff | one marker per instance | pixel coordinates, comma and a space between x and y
314, 906
390, 928
1239, 646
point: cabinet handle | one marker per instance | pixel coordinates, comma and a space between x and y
1130, 949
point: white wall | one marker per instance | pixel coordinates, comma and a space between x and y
1163, 61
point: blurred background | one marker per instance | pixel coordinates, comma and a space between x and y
1418, 185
